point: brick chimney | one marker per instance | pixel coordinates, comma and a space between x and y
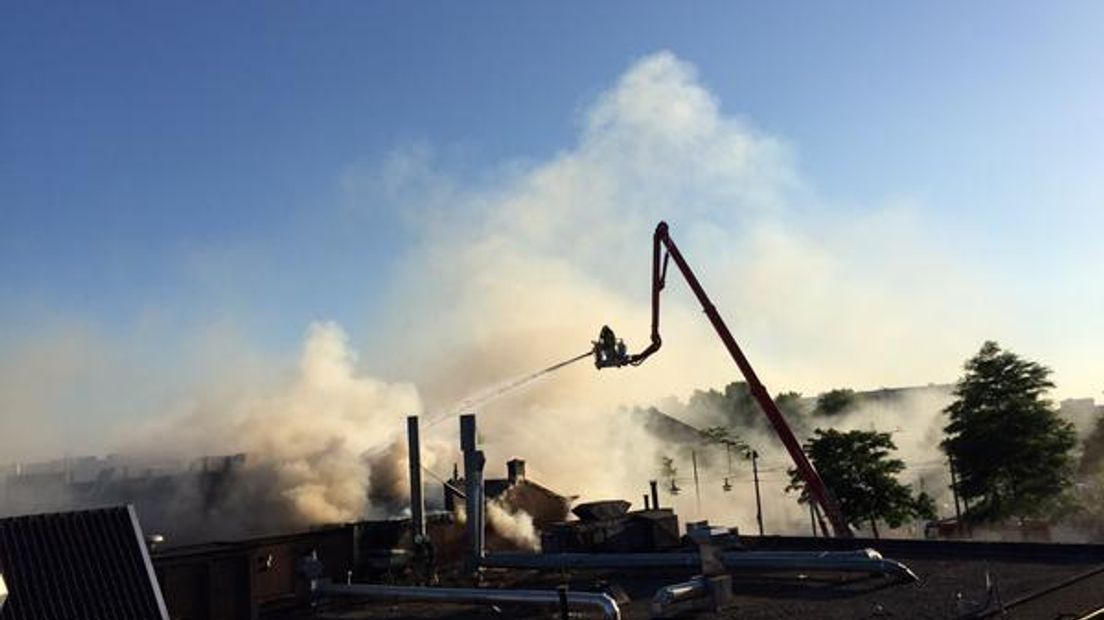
515, 470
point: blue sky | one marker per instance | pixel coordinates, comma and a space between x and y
174, 164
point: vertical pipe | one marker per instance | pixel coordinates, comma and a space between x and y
473, 489
417, 500
758, 500
954, 492
697, 487
655, 494
646, 506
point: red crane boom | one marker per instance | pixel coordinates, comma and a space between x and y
607, 354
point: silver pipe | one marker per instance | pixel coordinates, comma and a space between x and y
591, 560
864, 560
677, 594
473, 483
603, 602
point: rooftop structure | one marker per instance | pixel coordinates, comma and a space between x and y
517, 492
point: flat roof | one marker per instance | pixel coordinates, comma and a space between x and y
956, 578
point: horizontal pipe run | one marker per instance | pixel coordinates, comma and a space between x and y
864, 560
551, 598
677, 594
591, 560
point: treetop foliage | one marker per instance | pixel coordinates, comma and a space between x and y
723, 436
1011, 449
861, 472
835, 402
733, 408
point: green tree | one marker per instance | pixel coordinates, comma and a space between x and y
722, 436
1010, 448
791, 404
835, 402
858, 468
735, 407
796, 411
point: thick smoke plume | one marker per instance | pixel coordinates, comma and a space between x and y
522, 271
515, 526
519, 269
322, 446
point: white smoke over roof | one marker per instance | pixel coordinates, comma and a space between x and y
516, 268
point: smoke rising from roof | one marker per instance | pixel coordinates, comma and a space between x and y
515, 269
522, 269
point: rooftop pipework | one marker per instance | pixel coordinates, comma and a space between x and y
548, 598
861, 561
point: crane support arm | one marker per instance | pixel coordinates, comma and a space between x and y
664, 249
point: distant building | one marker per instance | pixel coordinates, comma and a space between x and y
516, 492
1082, 412
184, 501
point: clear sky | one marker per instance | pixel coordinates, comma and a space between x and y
172, 164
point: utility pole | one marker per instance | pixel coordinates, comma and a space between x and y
954, 492
758, 500
697, 487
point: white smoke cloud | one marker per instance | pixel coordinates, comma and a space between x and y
516, 526
522, 270
559, 247
315, 429
518, 267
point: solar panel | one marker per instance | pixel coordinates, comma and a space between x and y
85, 564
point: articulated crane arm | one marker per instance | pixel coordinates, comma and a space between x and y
610, 352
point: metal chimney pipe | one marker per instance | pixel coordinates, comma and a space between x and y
646, 505
417, 500
473, 490
655, 494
